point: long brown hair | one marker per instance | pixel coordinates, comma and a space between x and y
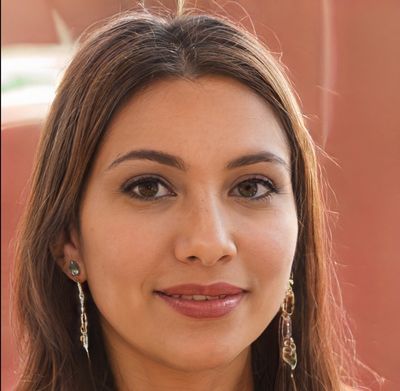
128, 53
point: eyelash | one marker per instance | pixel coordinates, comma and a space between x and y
267, 183
130, 185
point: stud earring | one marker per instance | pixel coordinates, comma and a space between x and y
75, 271
288, 347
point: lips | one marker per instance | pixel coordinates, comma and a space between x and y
218, 289
203, 301
195, 297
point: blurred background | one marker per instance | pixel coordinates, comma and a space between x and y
344, 60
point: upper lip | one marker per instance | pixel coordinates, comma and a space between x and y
221, 288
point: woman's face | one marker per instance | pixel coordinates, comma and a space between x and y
189, 196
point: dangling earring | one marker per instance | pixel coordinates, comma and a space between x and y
75, 271
288, 347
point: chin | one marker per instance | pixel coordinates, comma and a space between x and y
206, 356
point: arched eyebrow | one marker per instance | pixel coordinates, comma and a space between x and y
259, 157
177, 162
149, 154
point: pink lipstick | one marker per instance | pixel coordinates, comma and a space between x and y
203, 301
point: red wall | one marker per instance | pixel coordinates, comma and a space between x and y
344, 58
345, 61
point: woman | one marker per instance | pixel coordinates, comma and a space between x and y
175, 216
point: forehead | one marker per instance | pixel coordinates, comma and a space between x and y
207, 118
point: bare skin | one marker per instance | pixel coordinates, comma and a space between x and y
203, 224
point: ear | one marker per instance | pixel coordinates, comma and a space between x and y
67, 249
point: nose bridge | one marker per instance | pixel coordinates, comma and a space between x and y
205, 231
209, 214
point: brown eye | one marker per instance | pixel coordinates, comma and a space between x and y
248, 189
255, 189
147, 189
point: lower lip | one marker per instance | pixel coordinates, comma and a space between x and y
203, 309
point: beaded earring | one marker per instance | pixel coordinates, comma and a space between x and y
75, 271
288, 346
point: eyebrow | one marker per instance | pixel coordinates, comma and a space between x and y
149, 154
259, 157
176, 162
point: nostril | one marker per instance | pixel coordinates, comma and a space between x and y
192, 258
225, 258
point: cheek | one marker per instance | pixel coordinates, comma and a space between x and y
272, 240
270, 251
121, 256
120, 238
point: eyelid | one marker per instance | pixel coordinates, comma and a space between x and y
267, 182
259, 177
133, 182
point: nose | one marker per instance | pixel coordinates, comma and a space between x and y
204, 235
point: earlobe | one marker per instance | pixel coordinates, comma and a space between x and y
73, 269
68, 256
76, 271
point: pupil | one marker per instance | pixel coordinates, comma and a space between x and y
148, 189
248, 189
